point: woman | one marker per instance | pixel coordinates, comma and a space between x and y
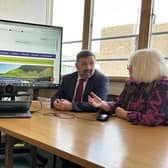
144, 99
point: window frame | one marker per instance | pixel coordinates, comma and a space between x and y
144, 30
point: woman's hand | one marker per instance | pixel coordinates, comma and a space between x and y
121, 113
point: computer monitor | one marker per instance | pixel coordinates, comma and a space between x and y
30, 54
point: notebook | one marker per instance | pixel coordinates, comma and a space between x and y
15, 109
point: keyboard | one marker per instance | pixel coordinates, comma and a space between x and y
15, 109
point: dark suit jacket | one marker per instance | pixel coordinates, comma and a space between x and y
98, 83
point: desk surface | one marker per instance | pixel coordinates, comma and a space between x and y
112, 144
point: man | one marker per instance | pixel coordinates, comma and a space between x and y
92, 81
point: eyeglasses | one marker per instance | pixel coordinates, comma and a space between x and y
129, 67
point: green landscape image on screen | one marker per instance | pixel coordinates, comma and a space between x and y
27, 72
27, 69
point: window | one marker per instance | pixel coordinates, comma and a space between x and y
69, 15
115, 34
115, 31
159, 38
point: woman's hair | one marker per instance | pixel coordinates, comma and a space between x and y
147, 65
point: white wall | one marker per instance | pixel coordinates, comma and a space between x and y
35, 11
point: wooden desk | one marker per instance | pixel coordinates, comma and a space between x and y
112, 144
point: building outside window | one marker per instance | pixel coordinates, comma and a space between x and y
159, 36
115, 33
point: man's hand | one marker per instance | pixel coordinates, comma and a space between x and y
63, 105
95, 101
121, 113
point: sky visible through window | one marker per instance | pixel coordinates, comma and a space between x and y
107, 13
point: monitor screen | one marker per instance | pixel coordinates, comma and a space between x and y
30, 54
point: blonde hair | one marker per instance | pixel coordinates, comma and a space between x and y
147, 65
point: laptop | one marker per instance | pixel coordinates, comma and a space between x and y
9, 109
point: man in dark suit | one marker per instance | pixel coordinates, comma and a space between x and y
93, 81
